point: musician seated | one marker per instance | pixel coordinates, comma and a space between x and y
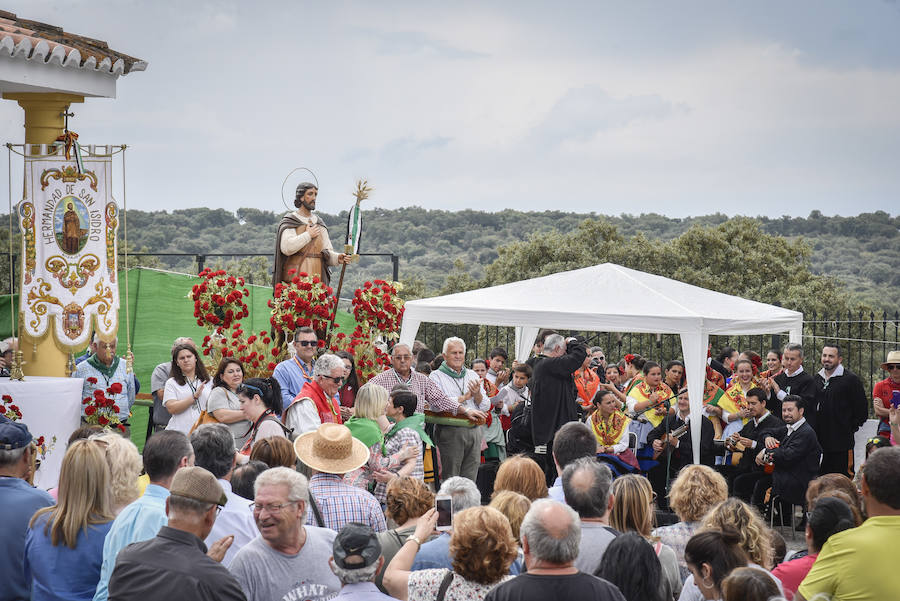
645, 401
610, 427
747, 474
673, 447
795, 457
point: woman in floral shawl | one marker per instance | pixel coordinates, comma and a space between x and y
610, 427
649, 394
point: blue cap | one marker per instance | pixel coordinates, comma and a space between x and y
14, 435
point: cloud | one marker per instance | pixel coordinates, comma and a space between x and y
584, 112
397, 43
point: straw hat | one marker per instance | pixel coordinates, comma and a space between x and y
331, 449
892, 358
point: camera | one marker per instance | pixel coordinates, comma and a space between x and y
595, 363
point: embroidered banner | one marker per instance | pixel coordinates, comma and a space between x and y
68, 222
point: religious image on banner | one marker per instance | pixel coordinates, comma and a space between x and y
69, 222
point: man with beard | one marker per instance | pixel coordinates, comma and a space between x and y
842, 409
302, 243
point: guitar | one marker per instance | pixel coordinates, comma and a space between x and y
673, 435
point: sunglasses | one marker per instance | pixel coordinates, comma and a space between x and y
308, 342
335, 379
893, 366
243, 388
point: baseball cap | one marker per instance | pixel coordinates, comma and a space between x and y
13, 435
198, 484
356, 546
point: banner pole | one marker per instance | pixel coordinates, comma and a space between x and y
129, 357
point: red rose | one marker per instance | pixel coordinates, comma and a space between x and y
271, 366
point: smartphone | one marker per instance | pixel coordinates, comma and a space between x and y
895, 399
444, 506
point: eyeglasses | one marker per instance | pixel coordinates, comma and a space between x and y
335, 379
308, 342
403, 357
892, 366
219, 509
270, 507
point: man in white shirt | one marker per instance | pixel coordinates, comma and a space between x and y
214, 451
460, 446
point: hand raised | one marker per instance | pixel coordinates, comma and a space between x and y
218, 549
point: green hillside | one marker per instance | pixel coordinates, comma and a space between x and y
859, 252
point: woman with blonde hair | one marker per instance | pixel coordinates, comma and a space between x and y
481, 547
514, 506
633, 511
125, 466
754, 539
64, 543
694, 492
368, 425
523, 475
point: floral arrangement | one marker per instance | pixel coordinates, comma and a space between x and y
378, 310
13, 413
378, 306
304, 301
257, 353
368, 359
218, 299
102, 410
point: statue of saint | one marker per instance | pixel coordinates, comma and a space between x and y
71, 230
302, 243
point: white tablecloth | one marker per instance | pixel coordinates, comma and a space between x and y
50, 407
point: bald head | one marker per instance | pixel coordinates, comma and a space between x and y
551, 532
586, 485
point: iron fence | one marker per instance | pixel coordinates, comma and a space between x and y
864, 339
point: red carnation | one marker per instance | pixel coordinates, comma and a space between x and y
92, 380
7, 398
115, 388
90, 410
121, 428
271, 366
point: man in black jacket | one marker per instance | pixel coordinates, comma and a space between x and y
677, 452
842, 409
796, 457
553, 395
750, 480
792, 380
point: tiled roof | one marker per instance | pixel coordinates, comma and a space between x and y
47, 43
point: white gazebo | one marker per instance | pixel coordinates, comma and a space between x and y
610, 298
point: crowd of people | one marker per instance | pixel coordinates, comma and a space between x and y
566, 476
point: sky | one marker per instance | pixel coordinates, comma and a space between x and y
678, 108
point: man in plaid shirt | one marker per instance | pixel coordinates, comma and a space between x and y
423, 387
330, 452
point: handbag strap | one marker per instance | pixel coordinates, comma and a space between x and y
445, 584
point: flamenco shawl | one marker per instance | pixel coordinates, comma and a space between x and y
611, 430
734, 400
641, 393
